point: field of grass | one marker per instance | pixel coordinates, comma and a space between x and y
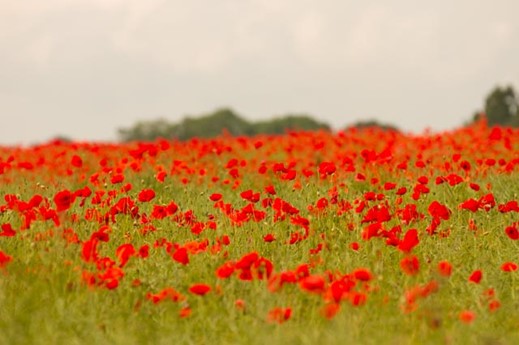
361, 237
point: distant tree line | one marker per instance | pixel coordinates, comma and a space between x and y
501, 107
226, 120
215, 123
374, 124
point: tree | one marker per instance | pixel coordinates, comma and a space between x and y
502, 106
282, 124
373, 124
212, 125
215, 123
147, 131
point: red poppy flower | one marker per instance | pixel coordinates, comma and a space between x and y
509, 267
76, 161
161, 176
476, 276
510, 206
215, 196
269, 238
512, 232
444, 268
494, 305
313, 283
247, 260
470, 204
144, 251
330, 310
389, 186
199, 289
438, 210
423, 180
240, 304
270, 190
486, 202
326, 168
180, 255
63, 200
410, 241
465, 165
467, 316
279, 315
185, 312
4, 259
89, 250
358, 299
401, 191
146, 195
124, 252
410, 265
167, 293
362, 274
7, 230
225, 271
474, 187
119, 178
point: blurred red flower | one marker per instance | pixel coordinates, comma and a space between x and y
476, 276
199, 289
410, 265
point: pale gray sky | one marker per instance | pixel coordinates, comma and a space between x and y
83, 68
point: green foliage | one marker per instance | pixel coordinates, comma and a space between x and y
215, 123
374, 124
293, 122
501, 107
147, 130
211, 125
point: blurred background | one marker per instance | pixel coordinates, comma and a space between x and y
104, 69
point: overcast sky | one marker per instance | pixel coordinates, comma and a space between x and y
83, 68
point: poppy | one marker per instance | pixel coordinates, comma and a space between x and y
279, 315
438, 210
410, 241
146, 195
476, 276
410, 265
124, 252
444, 268
185, 312
330, 310
225, 270
269, 238
63, 199
166, 293
180, 255
239, 304
509, 267
313, 283
215, 196
512, 232
7, 230
199, 289
4, 259
494, 305
362, 274
76, 161
467, 316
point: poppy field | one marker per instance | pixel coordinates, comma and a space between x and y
360, 236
